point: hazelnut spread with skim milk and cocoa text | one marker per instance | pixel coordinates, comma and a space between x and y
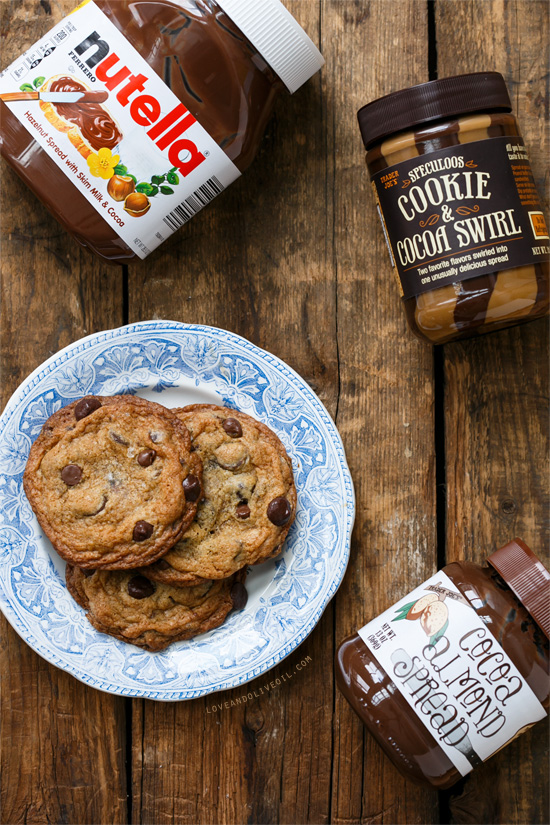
459, 209
190, 87
457, 669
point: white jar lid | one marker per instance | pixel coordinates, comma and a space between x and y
279, 38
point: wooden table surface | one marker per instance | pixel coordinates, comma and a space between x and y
447, 446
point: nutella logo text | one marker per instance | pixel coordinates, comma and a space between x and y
145, 110
101, 49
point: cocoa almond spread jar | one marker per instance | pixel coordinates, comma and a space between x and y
457, 669
187, 88
460, 212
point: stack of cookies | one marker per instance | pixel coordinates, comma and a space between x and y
159, 512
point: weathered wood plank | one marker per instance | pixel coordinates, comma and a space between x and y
258, 261
62, 743
252, 754
385, 411
496, 415
293, 262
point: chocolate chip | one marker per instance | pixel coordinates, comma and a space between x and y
163, 565
155, 437
119, 439
242, 511
142, 530
191, 487
71, 475
86, 406
146, 457
139, 587
232, 427
239, 596
279, 511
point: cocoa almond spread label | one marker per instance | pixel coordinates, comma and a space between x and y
453, 673
134, 152
461, 212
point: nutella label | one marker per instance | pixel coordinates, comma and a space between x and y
461, 212
453, 672
133, 150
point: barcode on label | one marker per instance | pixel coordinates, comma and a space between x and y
194, 203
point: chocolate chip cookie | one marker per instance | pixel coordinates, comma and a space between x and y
112, 481
137, 610
249, 498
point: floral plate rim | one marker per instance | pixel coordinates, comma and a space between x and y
108, 337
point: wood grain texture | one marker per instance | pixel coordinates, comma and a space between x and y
62, 744
496, 396
258, 262
385, 410
292, 257
53, 292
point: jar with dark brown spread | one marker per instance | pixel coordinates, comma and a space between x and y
457, 669
226, 61
462, 219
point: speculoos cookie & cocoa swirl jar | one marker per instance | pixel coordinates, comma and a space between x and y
461, 215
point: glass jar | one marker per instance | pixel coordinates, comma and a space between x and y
226, 61
461, 215
509, 600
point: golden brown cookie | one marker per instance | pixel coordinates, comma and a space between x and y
249, 497
112, 481
134, 609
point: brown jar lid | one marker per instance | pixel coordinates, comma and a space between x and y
527, 577
436, 100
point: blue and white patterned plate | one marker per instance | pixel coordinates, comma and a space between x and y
178, 364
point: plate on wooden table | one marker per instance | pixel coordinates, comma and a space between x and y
178, 364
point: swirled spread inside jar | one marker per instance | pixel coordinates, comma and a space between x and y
467, 237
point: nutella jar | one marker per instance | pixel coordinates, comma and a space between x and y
130, 116
460, 212
457, 669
